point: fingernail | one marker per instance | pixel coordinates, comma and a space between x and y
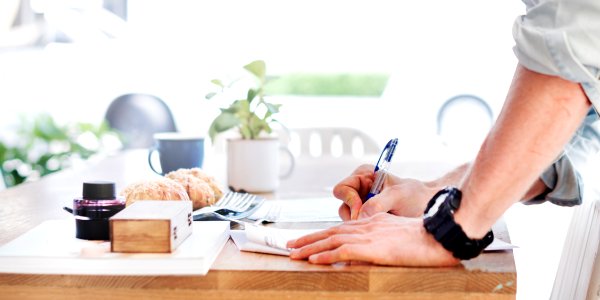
294, 253
291, 243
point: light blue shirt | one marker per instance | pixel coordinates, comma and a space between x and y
562, 38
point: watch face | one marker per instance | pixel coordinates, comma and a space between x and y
438, 201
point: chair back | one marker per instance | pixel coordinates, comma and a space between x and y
137, 117
329, 141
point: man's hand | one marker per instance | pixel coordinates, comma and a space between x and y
399, 196
383, 239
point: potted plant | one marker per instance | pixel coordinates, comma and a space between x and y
253, 157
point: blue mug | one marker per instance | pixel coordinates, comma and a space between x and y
177, 150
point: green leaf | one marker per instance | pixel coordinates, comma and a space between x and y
222, 122
257, 125
45, 128
210, 95
246, 132
251, 94
218, 82
273, 108
258, 68
231, 110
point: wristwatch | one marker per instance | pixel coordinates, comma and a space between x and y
439, 221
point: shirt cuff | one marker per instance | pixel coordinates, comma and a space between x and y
564, 184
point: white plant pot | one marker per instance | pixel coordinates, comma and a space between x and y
254, 165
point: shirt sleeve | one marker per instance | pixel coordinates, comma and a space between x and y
562, 38
565, 178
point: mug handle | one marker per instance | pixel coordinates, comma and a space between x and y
287, 173
150, 152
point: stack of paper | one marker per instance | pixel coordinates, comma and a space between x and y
51, 248
574, 276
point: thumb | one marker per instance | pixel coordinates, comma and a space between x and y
374, 206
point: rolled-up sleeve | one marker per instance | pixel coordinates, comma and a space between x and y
566, 177
562, 38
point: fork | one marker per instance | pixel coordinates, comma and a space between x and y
232, 205
271, 216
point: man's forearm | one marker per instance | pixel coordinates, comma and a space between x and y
453, 177
540, 115
456, 176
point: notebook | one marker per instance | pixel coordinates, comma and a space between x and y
51, 248
576, 278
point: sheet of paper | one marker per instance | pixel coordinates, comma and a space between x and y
266, 239
299, 210
273, 240
499, 245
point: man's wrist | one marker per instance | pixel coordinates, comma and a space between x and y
440, 223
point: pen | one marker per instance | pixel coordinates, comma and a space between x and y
381, 168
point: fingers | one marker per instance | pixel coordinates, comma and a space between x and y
348, 191
352, 189
325, 245
344, 212
346, 252
346, 228
383, 202
407, 198
311, 238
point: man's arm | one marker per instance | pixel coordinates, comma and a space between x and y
408, 197
540, 115
455, 177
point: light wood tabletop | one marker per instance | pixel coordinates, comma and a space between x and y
244, 275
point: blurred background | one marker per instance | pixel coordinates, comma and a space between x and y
432, 73
383, 67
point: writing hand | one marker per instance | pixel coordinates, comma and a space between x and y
400, 196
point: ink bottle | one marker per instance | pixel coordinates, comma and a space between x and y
92, 211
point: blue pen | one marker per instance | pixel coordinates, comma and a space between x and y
381, 168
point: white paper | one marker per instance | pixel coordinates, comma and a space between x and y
267, 239
270, 240
299, 210
499, 245
51, 248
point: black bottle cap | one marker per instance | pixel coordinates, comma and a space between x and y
98, 190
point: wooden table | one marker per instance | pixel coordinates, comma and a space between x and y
235, 274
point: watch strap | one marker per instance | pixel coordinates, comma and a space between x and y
448, 233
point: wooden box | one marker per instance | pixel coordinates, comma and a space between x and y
151, 226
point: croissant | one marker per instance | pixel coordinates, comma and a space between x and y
157, 189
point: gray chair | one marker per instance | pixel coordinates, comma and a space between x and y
137, 117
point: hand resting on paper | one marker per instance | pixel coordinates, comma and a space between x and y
382, 239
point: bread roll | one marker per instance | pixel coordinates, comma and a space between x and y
198, 173
197, 189
157, 189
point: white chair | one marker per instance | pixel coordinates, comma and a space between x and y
578, 275
318, 142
